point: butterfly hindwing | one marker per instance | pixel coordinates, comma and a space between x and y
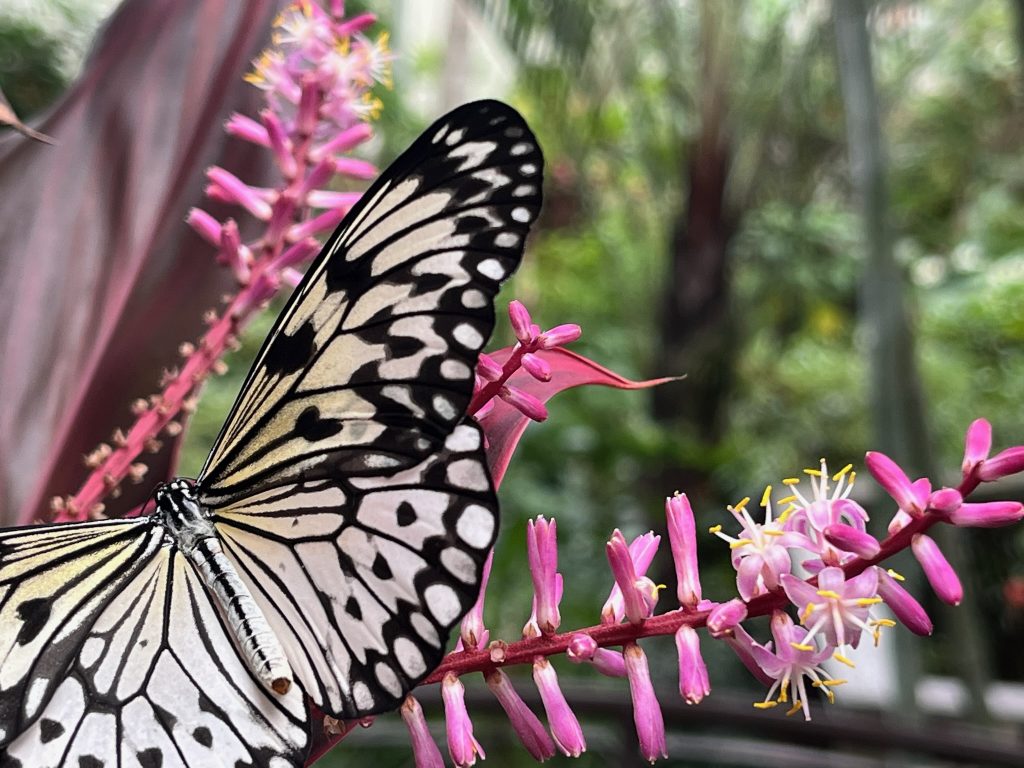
372, 362
136, 661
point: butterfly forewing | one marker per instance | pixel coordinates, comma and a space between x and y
371, 364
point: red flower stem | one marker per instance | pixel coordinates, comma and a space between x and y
264, 282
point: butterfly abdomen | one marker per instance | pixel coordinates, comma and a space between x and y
197, 539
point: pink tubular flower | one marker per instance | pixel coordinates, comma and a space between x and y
542, 552
837, 607
559, 336
462, 746
641, 552
976, 446
564, 726
1003, 464
583, 648
524, 402
792, 660
912, 498
473, 633
902, 603
693, 673
990, 514
850, 539
424, 749
725, 616
521, 321
682, 534
936, 567
650, 726
528, 727
639, 594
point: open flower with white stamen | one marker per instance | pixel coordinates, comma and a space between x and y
760, 554
790, 665
838, 608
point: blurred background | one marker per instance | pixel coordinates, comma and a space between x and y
813, 210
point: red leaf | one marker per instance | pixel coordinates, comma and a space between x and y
504, 425
101, 279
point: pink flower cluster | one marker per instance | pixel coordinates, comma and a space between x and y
317, 82
819, 532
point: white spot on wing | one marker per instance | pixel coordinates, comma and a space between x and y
388, 679
474, 152
506, 239
91, 651
409, 657
454, 137
522, 215
491, 268
468, 336
528, 169
459, 564
362, 696
462, 439
443, 603
443, 407
468, 474
425, 629
455, 370
475, 526
473, 299
520, 149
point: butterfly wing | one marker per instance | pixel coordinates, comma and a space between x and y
371, 364
111, 653
347, 487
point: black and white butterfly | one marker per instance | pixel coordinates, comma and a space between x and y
338, 530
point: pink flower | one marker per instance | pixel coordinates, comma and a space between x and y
791, 661
1003, 464
473, 633
912, 498
650, 726
725, 616
639, 594
528, 727
462, 746
564, 725
682, 534
583, 648
936, 567
902, 603
990, 514
837, 607
693, 673
424, 750
542, 552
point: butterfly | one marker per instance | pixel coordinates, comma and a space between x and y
337, 531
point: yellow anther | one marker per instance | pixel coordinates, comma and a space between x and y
837, 681
802, 646
843, 660
787, 500
784, 693
853, 478
831, 696
772, 532
797, 706
895, 575
791, 481
830, 594
715, 529
884, 623
740, 543
766, 497
765, 704
864, 602
842, 472
813, 472
807, 613
741, 504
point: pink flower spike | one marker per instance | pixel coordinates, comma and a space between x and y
850, 539
650, 725
519, 317
299, 253
355, 169
527, 725
424, 749
564, 725
636, 607
990, 514
342, 142
936, 567
462, 747
247, 129
204, 225
896, 483
230, 188
487, 368
682, 534
280, 144
977, 445
583, 648
542, 553
322, 222
536, 367
524, 402
725, 616
693, 673
473, 629
328, 198
902, 604
1004, 463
